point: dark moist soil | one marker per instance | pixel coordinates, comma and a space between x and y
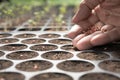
1, 53
51, 76
33, 41
25, 35
50, 35
43, 47
34, 65
12, 47
8, 29
2, 35
60, 41
92, 55
75, 66
110, 65
99, 76
8, 40
11, 76
57, 55
21, 55
116, 54
69, 48
5, 64
55, 29
30, 29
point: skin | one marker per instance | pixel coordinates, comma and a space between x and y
90, 13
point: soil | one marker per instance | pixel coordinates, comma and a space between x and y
56, 29
2, 35
11, 76
8, 40
69, 48
61, 41
49, 35
25, 35
33, 41
110, 65
51, 76
116, 54
5, 64
12, 47
1, 53
30, 29
34, 65
43, 47
92, 55
8, 29
75, 66
21, 55
99, 76
57, 55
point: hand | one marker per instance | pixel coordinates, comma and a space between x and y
91, 12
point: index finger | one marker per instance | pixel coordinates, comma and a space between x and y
85, 9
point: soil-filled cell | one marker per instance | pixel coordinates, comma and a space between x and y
69, 48
25, 35
43, 47
12, 47
30, 29
5, 64
75, 66
11, 76
99, 76
34, 65
49, 35
2, 35
8, 40
21, 55
33, 41
61, 41
55, 29
92, 55
116, 54
1, 53
8, 29
111, 65
57, 55
51, 76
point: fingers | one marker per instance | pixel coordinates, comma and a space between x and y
84, 42
107, 28
74, 31
85, 10
106, 37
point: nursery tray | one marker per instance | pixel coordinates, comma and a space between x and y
44, 53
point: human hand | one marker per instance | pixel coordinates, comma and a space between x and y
90, 13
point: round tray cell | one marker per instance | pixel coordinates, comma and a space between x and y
1, 53
110, 65
57, 55
49, 35
34, 65
55, 29
61, 41
93, 55
66, 35
25, 35
75, 66
99, 76
69, 48
30, 29
8, 40
33, 41
52, 76
8, 29
21, 55
5, 64
11, 76
116, 54
43, 47
12, 47
2, 35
